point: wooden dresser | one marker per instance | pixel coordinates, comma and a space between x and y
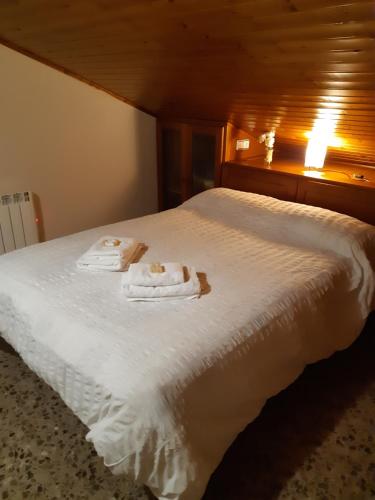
191, 154
332, 187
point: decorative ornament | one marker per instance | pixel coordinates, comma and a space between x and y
269, 140
112, 242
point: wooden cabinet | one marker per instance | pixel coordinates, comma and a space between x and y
194, 156
171, 163
352, 200
189, 160
268, 183
206, 157
335, 188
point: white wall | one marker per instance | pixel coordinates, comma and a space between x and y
90, 158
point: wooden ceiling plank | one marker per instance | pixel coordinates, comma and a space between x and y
258, 63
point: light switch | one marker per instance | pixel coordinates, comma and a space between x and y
242, 144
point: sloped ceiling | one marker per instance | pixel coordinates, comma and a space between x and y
257, 63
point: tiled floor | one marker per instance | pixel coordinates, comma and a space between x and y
315, 440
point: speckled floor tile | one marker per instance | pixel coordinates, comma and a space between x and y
43, 452
315, 440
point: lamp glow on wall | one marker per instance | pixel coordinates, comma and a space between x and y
321, 136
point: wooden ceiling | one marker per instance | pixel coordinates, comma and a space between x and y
257, 63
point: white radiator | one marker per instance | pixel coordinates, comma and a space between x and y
18, 221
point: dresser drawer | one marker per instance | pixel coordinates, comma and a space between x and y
352, 200
268, 183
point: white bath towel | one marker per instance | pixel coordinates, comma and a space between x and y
141, 274
189, 289
101, 257
111, 246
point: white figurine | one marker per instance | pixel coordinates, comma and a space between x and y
269, 140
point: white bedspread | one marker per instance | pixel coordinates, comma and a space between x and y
165, 387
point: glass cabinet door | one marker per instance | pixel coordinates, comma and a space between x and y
171, 144
203, 159
189, 159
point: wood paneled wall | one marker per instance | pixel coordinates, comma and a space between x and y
232, 134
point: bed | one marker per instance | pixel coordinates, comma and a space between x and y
164, 388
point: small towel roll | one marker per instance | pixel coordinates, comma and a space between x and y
111, 246
189, 289
142, 274
111, 258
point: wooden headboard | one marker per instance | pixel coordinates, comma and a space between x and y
332, 188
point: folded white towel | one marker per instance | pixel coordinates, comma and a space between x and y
101, 261
102, 258
111, 246
140, 274
189, 289
119, 265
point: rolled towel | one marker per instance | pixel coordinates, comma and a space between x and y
114, 246
189, 289
105, 258
143, 274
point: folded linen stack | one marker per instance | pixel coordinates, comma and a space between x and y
158, 282
109, 254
